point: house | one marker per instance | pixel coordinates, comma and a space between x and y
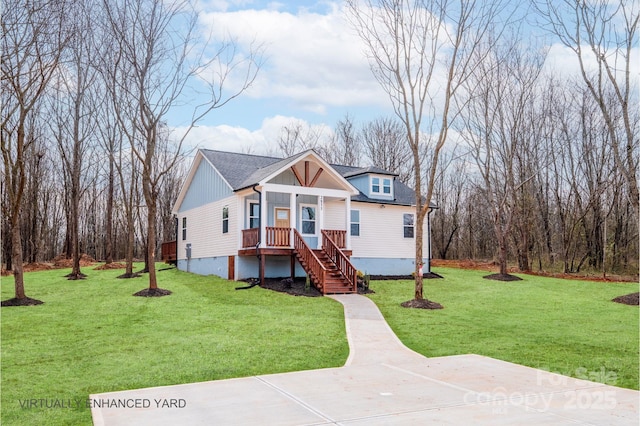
243, 216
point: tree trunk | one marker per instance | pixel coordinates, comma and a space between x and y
419, 226
130, 242
502, 252
16, 257
109, 225
151, 243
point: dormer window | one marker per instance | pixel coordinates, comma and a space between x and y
386, 186
381, 186
375, 185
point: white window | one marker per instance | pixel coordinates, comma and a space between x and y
184, 228
254, 214
225, 219
355, 223
375, 185
308, 219
408, 225
386, 186
381, 185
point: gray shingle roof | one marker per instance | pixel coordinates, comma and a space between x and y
244, 170
236, 167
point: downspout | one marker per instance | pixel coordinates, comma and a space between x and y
258, 255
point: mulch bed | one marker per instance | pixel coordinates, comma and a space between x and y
502, 277
421, 304
127, 276
153, 292
628, 299
294, 288
27, 301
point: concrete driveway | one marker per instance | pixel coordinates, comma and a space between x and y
382, 383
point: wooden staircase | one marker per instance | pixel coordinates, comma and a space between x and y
325, 273
334, 280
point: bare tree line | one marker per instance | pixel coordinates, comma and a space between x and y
542, 171
88, 160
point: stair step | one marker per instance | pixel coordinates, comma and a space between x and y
334, 281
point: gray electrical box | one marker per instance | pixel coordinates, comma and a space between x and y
188, 250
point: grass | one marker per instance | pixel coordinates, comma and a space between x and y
565, 326
93, 336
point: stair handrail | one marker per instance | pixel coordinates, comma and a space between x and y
309, 257
341, 260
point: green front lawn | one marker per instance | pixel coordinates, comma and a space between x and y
93, 336
565, 326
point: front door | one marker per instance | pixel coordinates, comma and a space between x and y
282, 218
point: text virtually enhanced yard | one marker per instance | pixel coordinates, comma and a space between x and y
92, 336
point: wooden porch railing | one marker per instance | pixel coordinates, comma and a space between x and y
316, 269
250, 237
278, 237
338, 236
341, 260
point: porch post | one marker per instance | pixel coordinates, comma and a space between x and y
263, 219
293, 209
320, 220
347, 205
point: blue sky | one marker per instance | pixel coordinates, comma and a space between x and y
314, 72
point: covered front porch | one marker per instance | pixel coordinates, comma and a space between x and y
300, 208
279, 241
328, 267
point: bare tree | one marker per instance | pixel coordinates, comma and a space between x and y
32, 41
74, 112
604, 32
149, 78
498, 124
419, 51
448, 195
298, 136
384, 141
345, 146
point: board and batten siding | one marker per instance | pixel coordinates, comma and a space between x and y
382, 232
204, 230
206, 187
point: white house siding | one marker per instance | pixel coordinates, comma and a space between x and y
381, 248
334, 214
210, 248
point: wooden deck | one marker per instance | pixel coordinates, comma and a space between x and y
329, 268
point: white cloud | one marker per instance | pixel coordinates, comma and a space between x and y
315, 60
262, 141
563, 61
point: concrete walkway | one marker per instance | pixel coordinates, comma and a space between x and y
382, 383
